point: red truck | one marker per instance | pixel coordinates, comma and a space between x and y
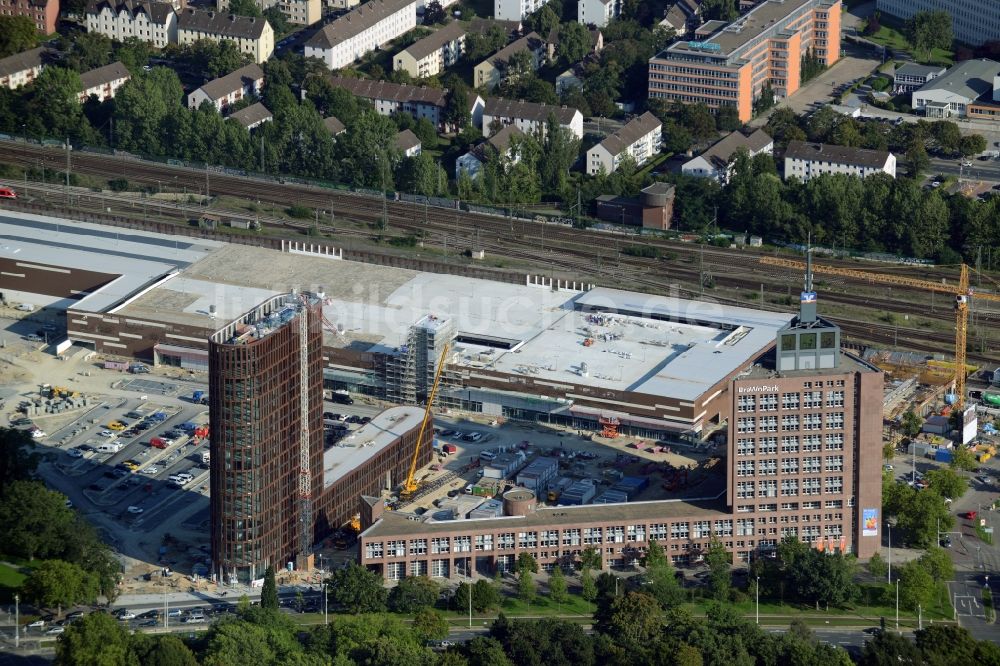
158, 443
449, 449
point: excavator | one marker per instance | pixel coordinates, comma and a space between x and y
410, 485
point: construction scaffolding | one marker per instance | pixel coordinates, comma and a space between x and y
410, 370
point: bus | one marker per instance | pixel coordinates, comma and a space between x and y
7, 193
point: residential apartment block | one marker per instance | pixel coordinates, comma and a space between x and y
152, 22
640, 138
298, 12
22, 68
408, 144
715, 162
515, 10
229, 89
974, 22
597, 12
44, 13
911, 76
103, 82
764, 47
361, 31
493, 70
253, 36
472, 162
803, 453
252, 117
389, 98
529, 117
432, 54
808, 160
967, 90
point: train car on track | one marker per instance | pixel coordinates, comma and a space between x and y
7, 193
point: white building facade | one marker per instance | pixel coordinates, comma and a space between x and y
151, 22
809, 160
253, 36
528, 117
641, 138
229, 89
974, 22
432, 54
515, 10
362, 31
597, 12
22, 68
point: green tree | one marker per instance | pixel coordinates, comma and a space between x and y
34, 520
962, 458
971, 144
917, 160
590, 558
720, 10
277, 20
889, 648
485, 595
941, 644
164, 650
269, 593
434, 13
574, 42
937, 562
946, 482
720, 576
877, 566
558, 590
134, 53
430, 624
698, 119
655, 555
413, 593
559, 151
947, 136
927, 31
636, 620
357, 590
916, 585
88, 51
96, 639
17, 34
456, 110
16, 460
480, 45
54, 584
526, 562
525, 586
244, 8
544, 21
460, 597
911, 424
484, 651
728, 118
589, 591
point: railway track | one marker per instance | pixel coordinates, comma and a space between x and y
583, 254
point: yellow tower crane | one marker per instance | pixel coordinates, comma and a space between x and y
960, 291
410, 485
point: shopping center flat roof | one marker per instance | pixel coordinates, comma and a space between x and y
139, 258
620, 340
367, 441
394, 523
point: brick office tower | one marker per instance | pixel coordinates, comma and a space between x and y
265, 405
806, 440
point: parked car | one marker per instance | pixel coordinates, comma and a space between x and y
135, 510
970, 515
108, 434
74, 453
55, 631
37, 624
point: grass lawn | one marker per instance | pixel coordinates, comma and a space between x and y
894, 39
11, 579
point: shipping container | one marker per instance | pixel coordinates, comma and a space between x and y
943, 455
116, 365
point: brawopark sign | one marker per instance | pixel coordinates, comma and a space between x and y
758, 389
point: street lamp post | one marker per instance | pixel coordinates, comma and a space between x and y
17, 621
757, 590
326, 616
888, 527
897, 603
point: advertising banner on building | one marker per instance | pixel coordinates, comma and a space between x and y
869, 522
970, 425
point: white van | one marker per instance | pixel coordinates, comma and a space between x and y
109, 447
